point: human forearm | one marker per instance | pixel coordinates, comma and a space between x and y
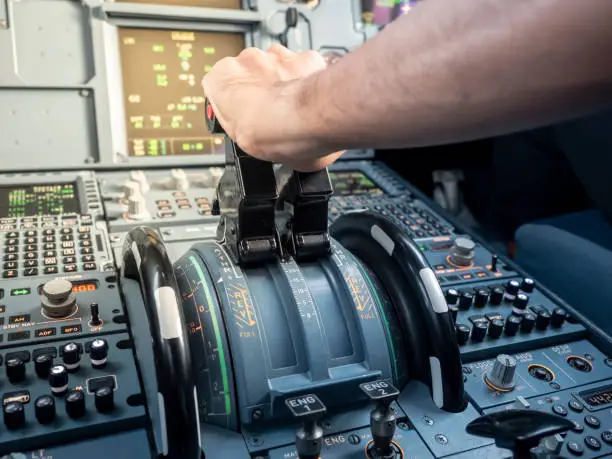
477, 68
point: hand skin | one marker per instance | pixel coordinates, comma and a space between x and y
445, 72
254, 97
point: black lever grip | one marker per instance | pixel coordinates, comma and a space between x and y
519, 430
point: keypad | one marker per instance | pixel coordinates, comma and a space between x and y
34, 246
417, 221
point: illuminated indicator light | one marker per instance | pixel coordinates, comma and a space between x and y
44, 332
71, 329
20, 291
210, 112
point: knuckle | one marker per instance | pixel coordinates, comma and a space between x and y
251, 54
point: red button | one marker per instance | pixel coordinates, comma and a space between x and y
209, 112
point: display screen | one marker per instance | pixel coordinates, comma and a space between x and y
597, 397
32, 200
227, 4
163, 97
383, 12
352, 183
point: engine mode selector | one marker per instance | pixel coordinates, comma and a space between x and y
501, 376
462, 252
57, 299
382, 418
307, 409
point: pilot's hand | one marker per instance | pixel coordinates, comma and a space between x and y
256, 98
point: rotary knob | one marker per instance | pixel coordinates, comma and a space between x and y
58, 379
454, 310
75, 404
463, 334
137, 208
98, 353
462, 252
105, 399
465, 301
42, 365
542, 320
179, 179
452, 296
520, 303
512, 288
528, 285
71, 355
14, 415
131, 188
479, 331
513, 323
496, 297
502, 374
558, 318
482, 298
141, 180
15, 370
44, 409
496, 327
57, 299
528, 322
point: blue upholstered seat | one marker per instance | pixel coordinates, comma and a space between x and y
572, 255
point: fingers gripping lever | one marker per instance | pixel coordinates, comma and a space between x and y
245, 200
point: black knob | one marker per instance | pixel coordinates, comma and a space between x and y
479, 331
520, 301
216, 208
465, 301
94, 315
512, 325
44, 408
519, 430
494, 260
452, 296
58, 379
543, 320
482, 298
512, 288
14, 415
496, 327
528, 322
75, 404
528, 285
71, 356
558, 317
463, 334
98, 353
454, 310
15, 370
496, 297
105, 400
42, 365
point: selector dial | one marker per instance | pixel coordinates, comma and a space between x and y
462, 252
57, 299
501, 376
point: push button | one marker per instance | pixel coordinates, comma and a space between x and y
560, 410
592, 442
606, 436
592, 421
575, 405
575, 448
